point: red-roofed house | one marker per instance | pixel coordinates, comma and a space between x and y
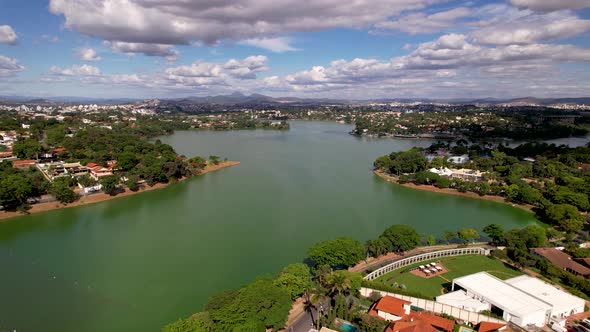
420, 321
97, 171
413, 326
7, 156
563, 260
441, 324
391, 308
23, 163
490, 327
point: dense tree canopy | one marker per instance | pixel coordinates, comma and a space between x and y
295, 279
402, 237
340, 252
259, 305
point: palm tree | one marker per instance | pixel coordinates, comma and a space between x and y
338, 283
308, 306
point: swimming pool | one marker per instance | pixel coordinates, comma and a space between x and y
348, 328
465, 329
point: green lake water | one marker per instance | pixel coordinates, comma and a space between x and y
139, 262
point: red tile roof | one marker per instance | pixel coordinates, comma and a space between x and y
584, 261
489, 327
415, 326
392, 305
436, 321
24, 162
5, 154
57, 150
562, 260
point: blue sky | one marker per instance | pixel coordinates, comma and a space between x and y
321, 48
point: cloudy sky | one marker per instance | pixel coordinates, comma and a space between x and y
307, 48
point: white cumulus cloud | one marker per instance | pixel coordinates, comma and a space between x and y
9, 66
75, 70
7, 35
550, 5
416, 23
88, 54
277, 44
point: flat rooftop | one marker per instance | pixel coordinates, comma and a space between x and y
546, 292
501, 294
461, 299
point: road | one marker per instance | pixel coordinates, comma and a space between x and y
304, 322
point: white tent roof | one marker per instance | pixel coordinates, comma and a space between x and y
559, 299
502, 294
460, 299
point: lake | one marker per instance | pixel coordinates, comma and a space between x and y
139, 262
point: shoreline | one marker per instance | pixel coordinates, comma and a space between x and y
102, 197
453, 192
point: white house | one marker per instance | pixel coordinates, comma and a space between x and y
458, 159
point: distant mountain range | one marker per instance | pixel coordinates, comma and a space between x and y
239, 98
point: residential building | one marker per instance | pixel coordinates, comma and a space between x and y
23, 163
402, 319
458, 159
97, 171
463, 173
7, 156
491, 327
391, 308
562, 260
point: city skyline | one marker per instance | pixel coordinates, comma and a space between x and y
366, 49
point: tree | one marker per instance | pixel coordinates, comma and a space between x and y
86, 181
214, 160
378, 247
198, 163
410, 161
369, 323
402, 237
495, 232
565, 216
200, 322
448, 236
258, 306
382, 162
109, 184
343, 282
443, 182
426, 177
467, 234
132, 182
15, 190
29, 149
343, 251
295, 279
564, 195
430, 240
126, 161
62, 191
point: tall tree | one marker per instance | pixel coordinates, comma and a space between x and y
402, 237
495, 232
343, 251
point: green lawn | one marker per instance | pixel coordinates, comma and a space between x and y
457, 267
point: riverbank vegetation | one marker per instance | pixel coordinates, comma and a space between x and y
475, 124
67, 159
553, 180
